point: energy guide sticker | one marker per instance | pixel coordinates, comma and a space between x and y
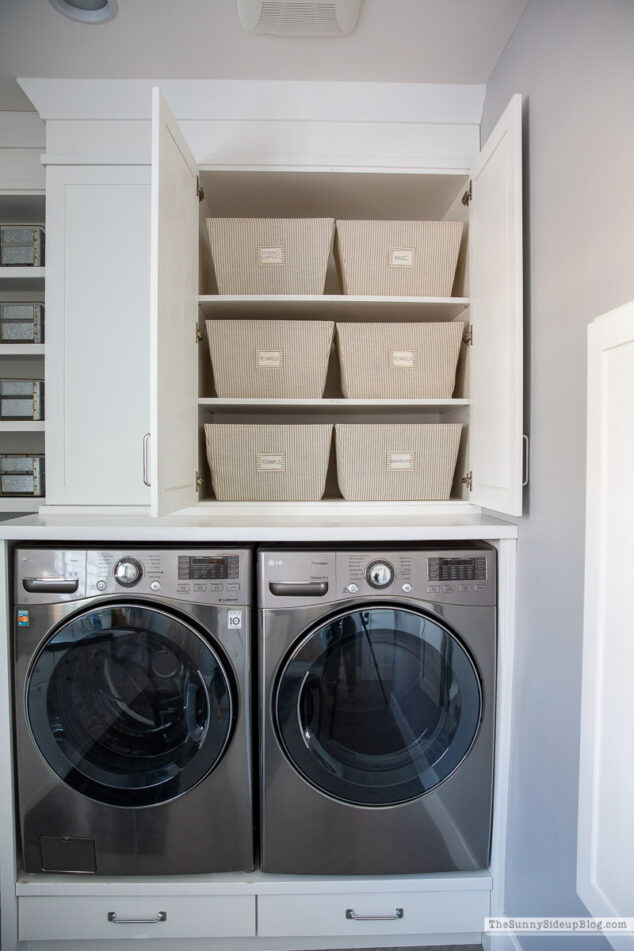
23, 618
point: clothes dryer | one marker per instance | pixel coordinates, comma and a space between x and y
132, 710
377, 682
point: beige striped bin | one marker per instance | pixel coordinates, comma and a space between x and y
398, 258
399, 361
278, 359
271, 255
399, 462
268, 463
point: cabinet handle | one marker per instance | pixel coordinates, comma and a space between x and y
160, 916
351, 915
526, 459
146, 459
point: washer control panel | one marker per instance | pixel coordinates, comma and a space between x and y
447, 576
206, 576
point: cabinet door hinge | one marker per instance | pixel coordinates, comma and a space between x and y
198, 481
199, 190
199, 334
468, 195
468, 336
468, 480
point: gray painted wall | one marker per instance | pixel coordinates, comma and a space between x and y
574, 61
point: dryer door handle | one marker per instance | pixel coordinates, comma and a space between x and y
298, 589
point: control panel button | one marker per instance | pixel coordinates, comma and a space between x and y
379, 574
128, 572
352, 588
156, 586
406, 587
101, 586
233, 587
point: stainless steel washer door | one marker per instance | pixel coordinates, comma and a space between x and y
129, 704
377, 706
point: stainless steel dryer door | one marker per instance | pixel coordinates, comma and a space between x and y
129, 704
377, 706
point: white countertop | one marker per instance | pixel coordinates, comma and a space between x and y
257, 527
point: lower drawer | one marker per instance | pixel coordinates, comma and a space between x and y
53, 918
390, 913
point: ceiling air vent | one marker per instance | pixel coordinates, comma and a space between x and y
299, 17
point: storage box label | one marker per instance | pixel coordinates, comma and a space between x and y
399, 461
402, 359
271, 461
402, 257
271, 256
272, 359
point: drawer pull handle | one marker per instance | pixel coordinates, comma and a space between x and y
351, 915
160, 916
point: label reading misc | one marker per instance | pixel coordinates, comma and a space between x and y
402, 359
23, 618
271, 359
401, 257
271, 461
399, 461
234, 620
271, 256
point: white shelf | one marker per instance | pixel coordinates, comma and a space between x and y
22, 350
331, 307
20, 505
22, 273
21, 426
328, 405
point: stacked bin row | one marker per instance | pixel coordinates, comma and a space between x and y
288, 359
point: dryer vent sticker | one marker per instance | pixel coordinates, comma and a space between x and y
23, 619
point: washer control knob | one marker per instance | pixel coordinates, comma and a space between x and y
379, 574
127, 572
406, 587
352, 588
101, 586
156, 586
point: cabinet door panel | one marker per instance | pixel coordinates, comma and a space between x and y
97, 335
495, 268
174, 313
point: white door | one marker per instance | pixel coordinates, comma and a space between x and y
97, 334
606, 774
173, 313
495, 274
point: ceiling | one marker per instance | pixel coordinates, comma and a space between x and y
416, 41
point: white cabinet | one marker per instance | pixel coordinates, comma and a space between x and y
21, 360
488, 397
97, 310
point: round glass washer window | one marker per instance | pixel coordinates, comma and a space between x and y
377, 706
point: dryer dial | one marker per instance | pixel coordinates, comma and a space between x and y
128, 572
379, 574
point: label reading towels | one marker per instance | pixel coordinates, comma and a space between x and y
401, 461
271, 461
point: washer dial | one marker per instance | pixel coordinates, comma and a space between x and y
379, 574
128, 572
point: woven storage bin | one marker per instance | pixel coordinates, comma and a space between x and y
271, 255
398, 258
399, 361
268, 463
396, 462
21, 245
270, 358
21, 322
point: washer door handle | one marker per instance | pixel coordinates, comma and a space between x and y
298, 589
351, 915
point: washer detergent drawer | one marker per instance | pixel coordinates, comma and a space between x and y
51, 918
372, 913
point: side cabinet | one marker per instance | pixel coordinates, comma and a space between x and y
97, 311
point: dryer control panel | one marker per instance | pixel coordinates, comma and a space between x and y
447, 576
198, 576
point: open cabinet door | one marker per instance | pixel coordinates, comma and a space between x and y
495, 269
174, 313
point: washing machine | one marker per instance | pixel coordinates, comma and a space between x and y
377, 693
132, 710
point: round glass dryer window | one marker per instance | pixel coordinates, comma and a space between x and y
377, 706
130, 705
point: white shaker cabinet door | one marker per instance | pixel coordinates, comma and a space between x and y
606, 774
495, 275
174, 315
97, 334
